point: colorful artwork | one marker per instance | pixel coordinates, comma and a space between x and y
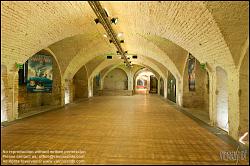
191, 73
39, 73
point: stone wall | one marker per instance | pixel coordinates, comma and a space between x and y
116, 80
199, 97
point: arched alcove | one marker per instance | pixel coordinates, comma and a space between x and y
196, 89
31, 99
222, 99
116, 79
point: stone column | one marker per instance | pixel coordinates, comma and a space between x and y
12, 95
130, 81
62, 92
233, 103
212, 98
90, 87
159, 86
179, 91
165, 87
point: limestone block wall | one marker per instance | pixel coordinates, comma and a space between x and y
27, 101
80, 82
244, 95
198, 98
116, 80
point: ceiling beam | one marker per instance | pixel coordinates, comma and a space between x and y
101, 15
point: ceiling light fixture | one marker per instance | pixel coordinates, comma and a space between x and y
114, 20
97, 20
122, 41
105, 35
120, 34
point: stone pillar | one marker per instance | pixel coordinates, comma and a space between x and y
212, 98
62, 92
165, 87
159, 86
233, 103
12, 95
179, 91
68, 91
90, 87
130, 81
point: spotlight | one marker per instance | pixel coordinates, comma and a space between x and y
110, 41
126, 52
134, 56
122, 41
105, 35
114, 20
120, 34
97, 20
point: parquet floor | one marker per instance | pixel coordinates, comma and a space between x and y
119, 130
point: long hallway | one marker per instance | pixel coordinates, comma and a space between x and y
119, 130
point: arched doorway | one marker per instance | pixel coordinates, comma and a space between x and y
222, 99
145, 82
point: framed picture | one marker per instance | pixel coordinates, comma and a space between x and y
39, 77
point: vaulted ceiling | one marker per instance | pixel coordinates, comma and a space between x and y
160, 33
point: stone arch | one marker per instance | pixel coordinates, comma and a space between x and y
146, 48
222, 99
197, 100
185, 39
149, 81
117, 62
29, 103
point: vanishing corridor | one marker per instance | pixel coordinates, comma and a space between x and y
119, 130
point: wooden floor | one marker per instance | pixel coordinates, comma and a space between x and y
119, 130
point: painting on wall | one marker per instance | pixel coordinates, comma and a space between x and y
191, 72
39, 77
